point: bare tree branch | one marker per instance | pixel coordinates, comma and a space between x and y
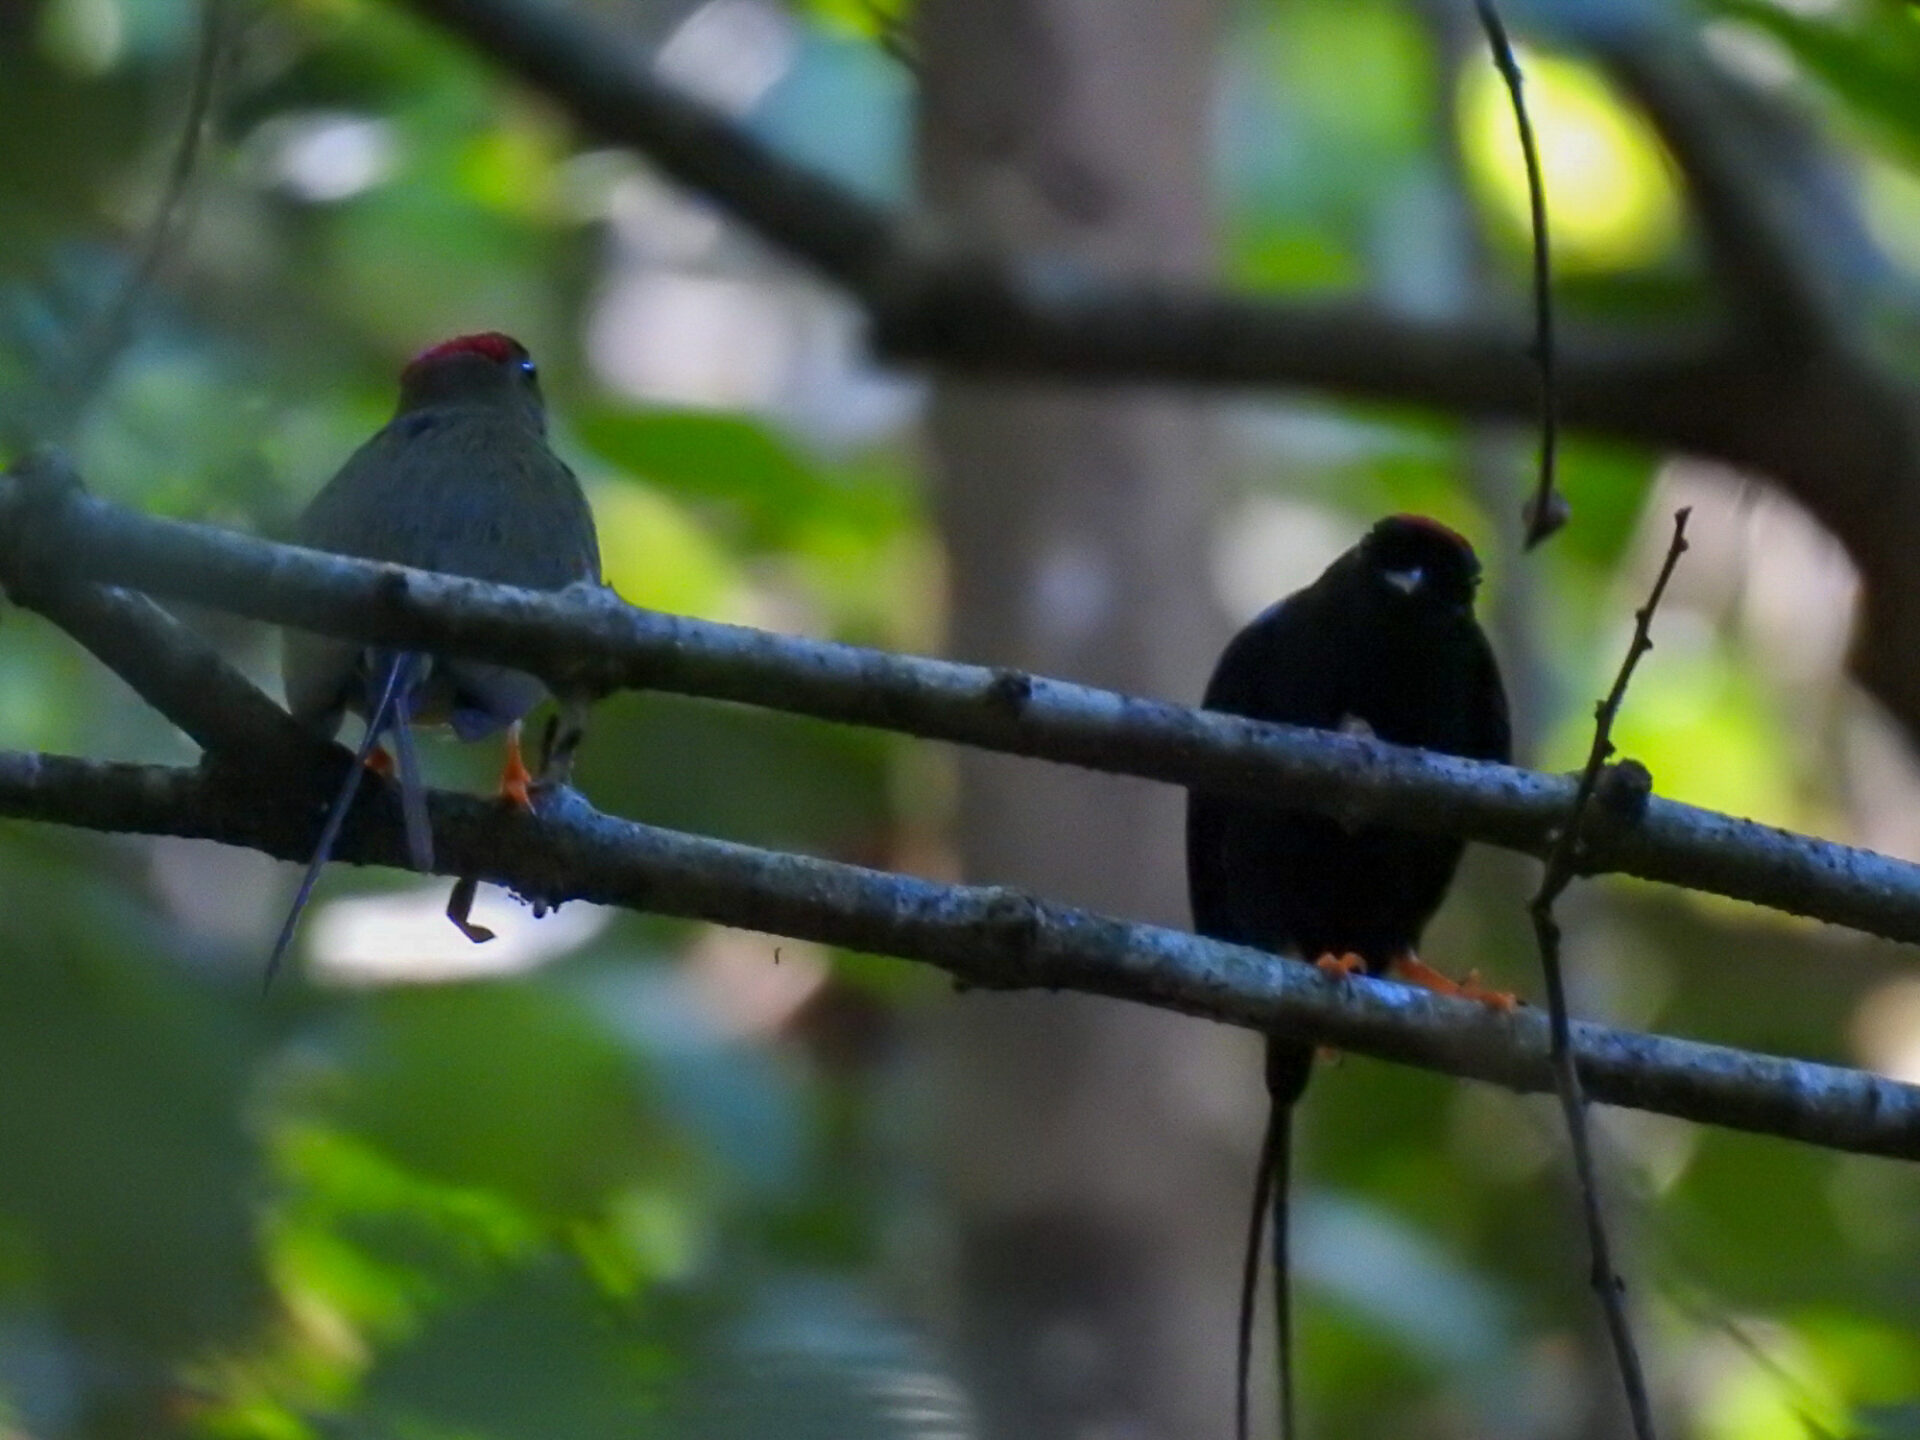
976, 313
608, 85
591, 638
987, 937
1673, 388
1747, 182
169, 666
1821, 416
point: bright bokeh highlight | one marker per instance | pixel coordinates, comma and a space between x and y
1610, 202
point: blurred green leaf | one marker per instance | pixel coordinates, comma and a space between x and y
1767, 1252
811, 1359
673, 761
1867, 54
129, 1173
868, 18
742, 471
503, 1087
542, 1355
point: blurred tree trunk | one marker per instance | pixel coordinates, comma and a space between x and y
1095, 1156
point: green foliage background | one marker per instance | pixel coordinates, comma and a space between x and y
591, 1200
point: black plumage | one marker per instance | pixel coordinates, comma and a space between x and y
1384, 643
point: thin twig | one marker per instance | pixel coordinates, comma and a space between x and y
1557, 874
1547, 511
95, 352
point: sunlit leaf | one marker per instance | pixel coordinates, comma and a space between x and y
1866, 54
1611, 202
502, 1087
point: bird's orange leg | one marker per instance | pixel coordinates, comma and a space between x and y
515, 778
1339, 966
380, 763
1415, 971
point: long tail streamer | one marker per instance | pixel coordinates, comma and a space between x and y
1269, 1194
392, 686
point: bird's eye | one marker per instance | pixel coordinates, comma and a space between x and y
528, 368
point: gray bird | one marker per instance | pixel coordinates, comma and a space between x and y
460, 480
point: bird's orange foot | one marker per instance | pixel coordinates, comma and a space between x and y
1347, 964
1340, 966
380, 762
516, 781
1415, 971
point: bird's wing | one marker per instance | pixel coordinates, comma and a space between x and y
1278, 668
1494, 740
442, 489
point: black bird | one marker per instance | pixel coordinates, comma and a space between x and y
1384, 643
